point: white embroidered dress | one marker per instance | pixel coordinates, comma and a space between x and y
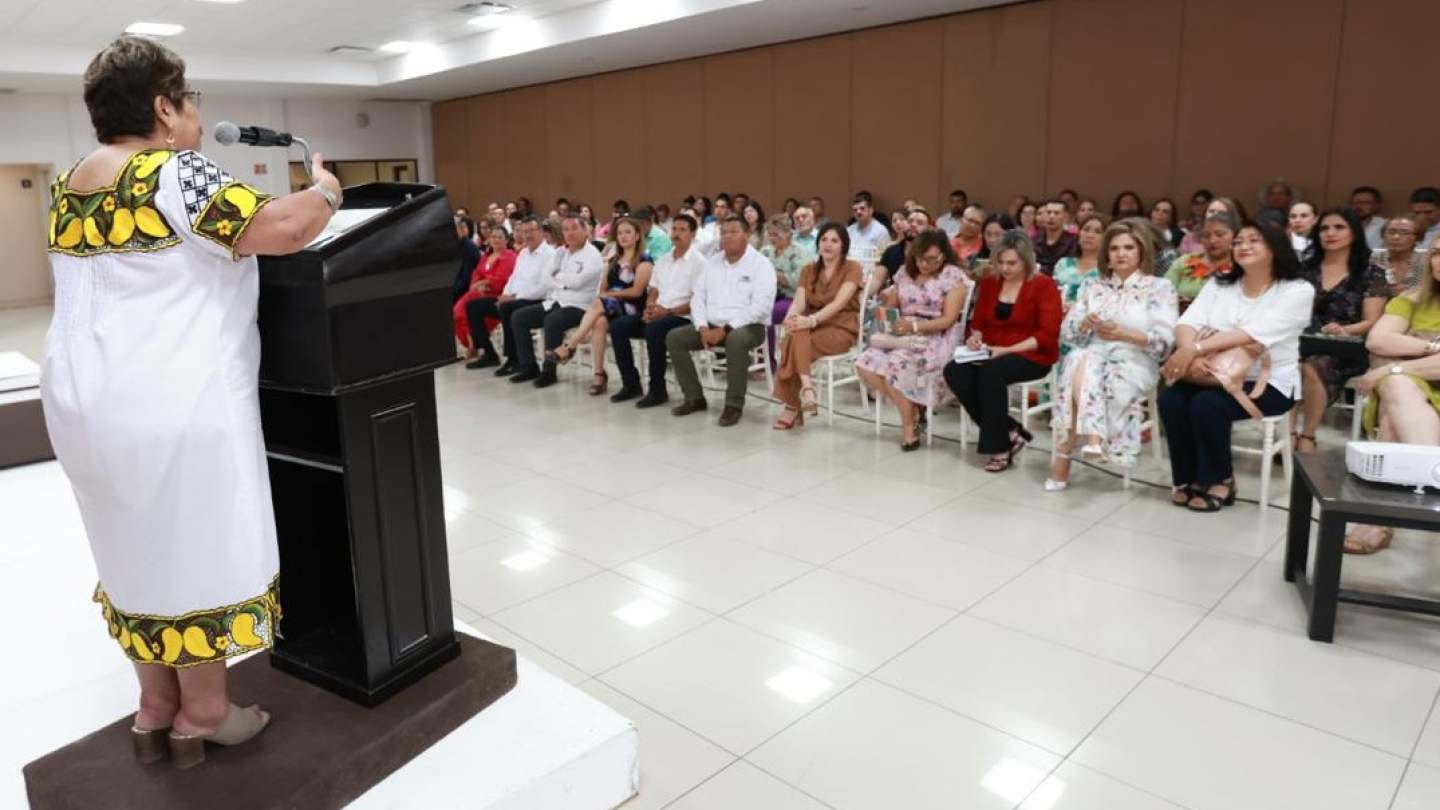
1118, 374
150, 389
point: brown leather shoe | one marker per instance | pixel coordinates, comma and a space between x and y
688, 407
730, 416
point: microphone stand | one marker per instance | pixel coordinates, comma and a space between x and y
306, 148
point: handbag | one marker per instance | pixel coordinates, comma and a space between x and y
1227, 369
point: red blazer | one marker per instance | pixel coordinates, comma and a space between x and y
1037, 313
497, 275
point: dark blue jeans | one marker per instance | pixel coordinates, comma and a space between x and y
628, 327
1197, 429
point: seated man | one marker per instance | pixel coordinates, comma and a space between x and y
969, 240
572, 284
526, 287
668, 308
866, 232
730, 307
657, 241
805, 229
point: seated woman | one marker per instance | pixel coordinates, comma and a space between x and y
992, 232
622, 292
1402, 264
1189, 273
1120, 329
1072, 271
480, 301
1404, 388
1350, 296
755, 217
1217, 205
824, 320
1164, 218
1263, 303
789, 259
930, 292
1017, 317
1302, 221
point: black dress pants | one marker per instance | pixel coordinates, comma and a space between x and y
983, 390
475, 312
555, 322
628, 327
1197, 429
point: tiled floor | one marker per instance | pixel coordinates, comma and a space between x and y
815, 619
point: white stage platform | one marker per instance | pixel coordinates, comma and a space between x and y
546, 745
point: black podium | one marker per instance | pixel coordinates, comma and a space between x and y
352, 330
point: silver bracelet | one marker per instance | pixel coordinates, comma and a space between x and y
331, 198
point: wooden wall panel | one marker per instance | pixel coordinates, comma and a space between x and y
895, 113
569, 149
617, 130
811, 137
452, 157
674, 131
994, 120
488, 156
1114, 66
1386, 116
739, 122
1269, 112
522, 141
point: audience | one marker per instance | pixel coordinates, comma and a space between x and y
1404, 388
1017, 320
1027, 219
704, 209
1275, 202
789, 259
1425, 208
1399, 259
824, 320
789, 207
654, 238
1072, 271
1199, 201
621, 293
465, 232
527, 286
1301, 226
806, 232
1259, 307
949, 222
571, 287
1127, 204
480, 302
1120, 329
1163, 217
1217, 205
817, 207
1189, 273
969, 240
893, 258
731, 305
1085, 208
867, 233
708, 240
1016, 205
1350, 296
994, 229
755, 218
930, 295
1053, 243
1366, 202
667, 307
663, 221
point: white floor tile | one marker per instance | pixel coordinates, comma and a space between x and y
1420, 790
613, 533
1376, 701
523, 647
779, 469
930, 567
1029, 534
714, 572
876, 748
1090, 497
465, 530
805, 530
618, 474
1073, 787
672, 759
743, 785
1206, 753
1152, 564
704, 499
533, 502
879, 496
1241, 529
1428, 751
730, 684
853, 623
501, 573
601, 621
1032, 689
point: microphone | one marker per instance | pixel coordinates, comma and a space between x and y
228, 134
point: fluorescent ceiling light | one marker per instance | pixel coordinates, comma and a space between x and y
399, 46
153, 29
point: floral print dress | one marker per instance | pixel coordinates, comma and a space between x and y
1118, 374
914, 370
1343, 304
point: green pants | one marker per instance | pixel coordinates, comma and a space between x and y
738, 345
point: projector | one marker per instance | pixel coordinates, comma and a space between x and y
1409, 465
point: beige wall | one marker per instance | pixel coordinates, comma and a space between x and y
24, 270
1162, 96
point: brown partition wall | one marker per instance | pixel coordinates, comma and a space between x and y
1159, 96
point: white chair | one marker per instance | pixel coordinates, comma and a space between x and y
708, 362
537, 336
832, 368
1044, 389
1274, 436
1356, 406
1151, 423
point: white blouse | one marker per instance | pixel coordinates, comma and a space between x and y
1275, 320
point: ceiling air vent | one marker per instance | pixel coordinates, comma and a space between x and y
350, 49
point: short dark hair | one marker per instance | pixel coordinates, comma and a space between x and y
621, 205
863, 197
926, 239
529, 219
1425, 194
469, 226
1115, 206
662, 208
645, 213
688, 220
725, 197
1286, 264
737, 219
960, 192
1368, 190
121, 84
560, 200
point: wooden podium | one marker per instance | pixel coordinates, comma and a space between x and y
352, 330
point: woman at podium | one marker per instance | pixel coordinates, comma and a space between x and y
150, 387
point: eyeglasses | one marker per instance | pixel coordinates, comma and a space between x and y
930, 259
1399, 232
193, 95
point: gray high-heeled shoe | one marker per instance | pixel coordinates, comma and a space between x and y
240, 725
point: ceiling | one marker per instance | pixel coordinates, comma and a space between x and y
280, 48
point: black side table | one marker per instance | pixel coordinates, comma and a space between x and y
1344, 498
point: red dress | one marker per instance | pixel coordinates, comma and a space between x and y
494, 270
1037, 313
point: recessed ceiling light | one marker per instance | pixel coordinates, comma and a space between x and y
153, 29
399, 46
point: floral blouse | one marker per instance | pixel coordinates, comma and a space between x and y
789, 262
1345, 302
1189, 274
1069, 278
1143, 303
1399, 283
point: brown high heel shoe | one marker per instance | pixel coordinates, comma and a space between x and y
600, 385
240, 725
150, 745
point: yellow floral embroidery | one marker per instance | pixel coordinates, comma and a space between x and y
109, 205
223, 227
119, 217
138, 189
198, 637
229, 212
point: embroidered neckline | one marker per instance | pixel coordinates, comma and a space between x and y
118, 218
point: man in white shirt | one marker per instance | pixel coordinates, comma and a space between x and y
708, 240
1365, 201
866, 232
571, 286
950, 222
667, 308
806, 232
1425, 207
526, 286
730, 307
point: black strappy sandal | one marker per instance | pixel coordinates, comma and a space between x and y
1180, 496
1211, 502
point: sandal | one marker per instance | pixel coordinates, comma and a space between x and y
240, 725
1181, 495
560, 355
808, 403
998, 464
1356, 542
1053, 484
1210, 502
1304, 437
796, 420
913, 444
601, 384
